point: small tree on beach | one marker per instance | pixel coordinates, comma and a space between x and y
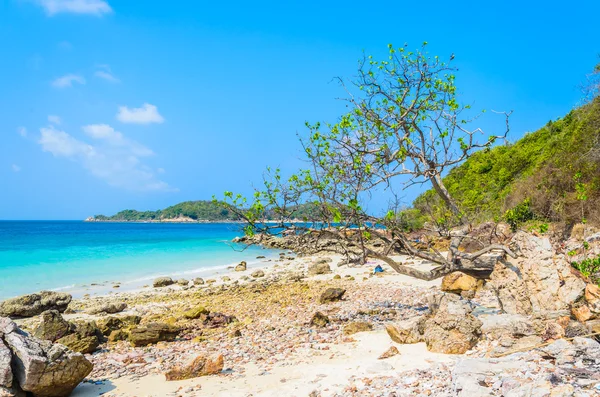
405, 126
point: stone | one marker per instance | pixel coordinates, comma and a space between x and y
554, 331
34, 304
42, 368
458, 282
162, 282
198, 281
118, 335
407, 331
451, 328
512, 325
226, 278
183, 282
6, 376
52, 326
592, 296
318, 268
216, 320
469, 375
79, 343
337, 277
152, 333
582, 313
391, 352
357, 326
319, 320
258, 273
195, 312
332, 295
107, 325
539, 280
108, 308
199, 366
241, 267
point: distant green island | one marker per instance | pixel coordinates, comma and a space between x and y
194, 211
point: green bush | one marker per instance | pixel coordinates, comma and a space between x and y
518, 215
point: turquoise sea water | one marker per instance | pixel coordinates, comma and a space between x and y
71, 255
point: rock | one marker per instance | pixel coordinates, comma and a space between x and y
199, 366
109, 324
318, 268
554, 331
337, 277
216, 320
332, 295
357, 326
592, 296
319, 320
40, 367
582, 313
502, 325
34, 304
162, 282
183, 282
451, 328
52, 326
85, 337
458, 282
195, 312
152, 333
6, 376
198, 281
391, 352
407, 331
241, 267
470, 374
258, 273
118, 335
539, 280
226, 278
108, 307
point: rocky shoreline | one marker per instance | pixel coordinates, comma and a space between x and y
315, 326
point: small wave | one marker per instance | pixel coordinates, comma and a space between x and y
64, 288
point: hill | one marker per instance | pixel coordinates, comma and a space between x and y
196, 211
554, 172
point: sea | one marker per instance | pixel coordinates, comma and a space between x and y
90, 257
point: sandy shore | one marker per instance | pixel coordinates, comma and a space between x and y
272, 349
277, 352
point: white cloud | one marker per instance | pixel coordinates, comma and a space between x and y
68, 80
106, 76
145, 115
54, 119
161, 170
92, 7
112, 157
108, 134
22, 131
15, 168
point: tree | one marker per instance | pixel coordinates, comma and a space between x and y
404, 126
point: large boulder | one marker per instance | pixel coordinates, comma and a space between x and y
407, 331
113, 323
6, 376
451, 327
152, 333
332, 295
458, 283
84, 338
40, 367
162, 282
108, 308
199, 366
539, 280
34, 304
318, 268
52, 326
240, 267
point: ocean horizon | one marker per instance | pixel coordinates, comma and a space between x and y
72, 255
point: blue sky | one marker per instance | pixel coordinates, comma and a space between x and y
112, 104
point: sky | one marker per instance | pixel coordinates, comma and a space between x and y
113, 104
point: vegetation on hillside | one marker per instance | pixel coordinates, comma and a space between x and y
211, 211
555, 171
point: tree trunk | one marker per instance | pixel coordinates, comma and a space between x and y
441, 190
